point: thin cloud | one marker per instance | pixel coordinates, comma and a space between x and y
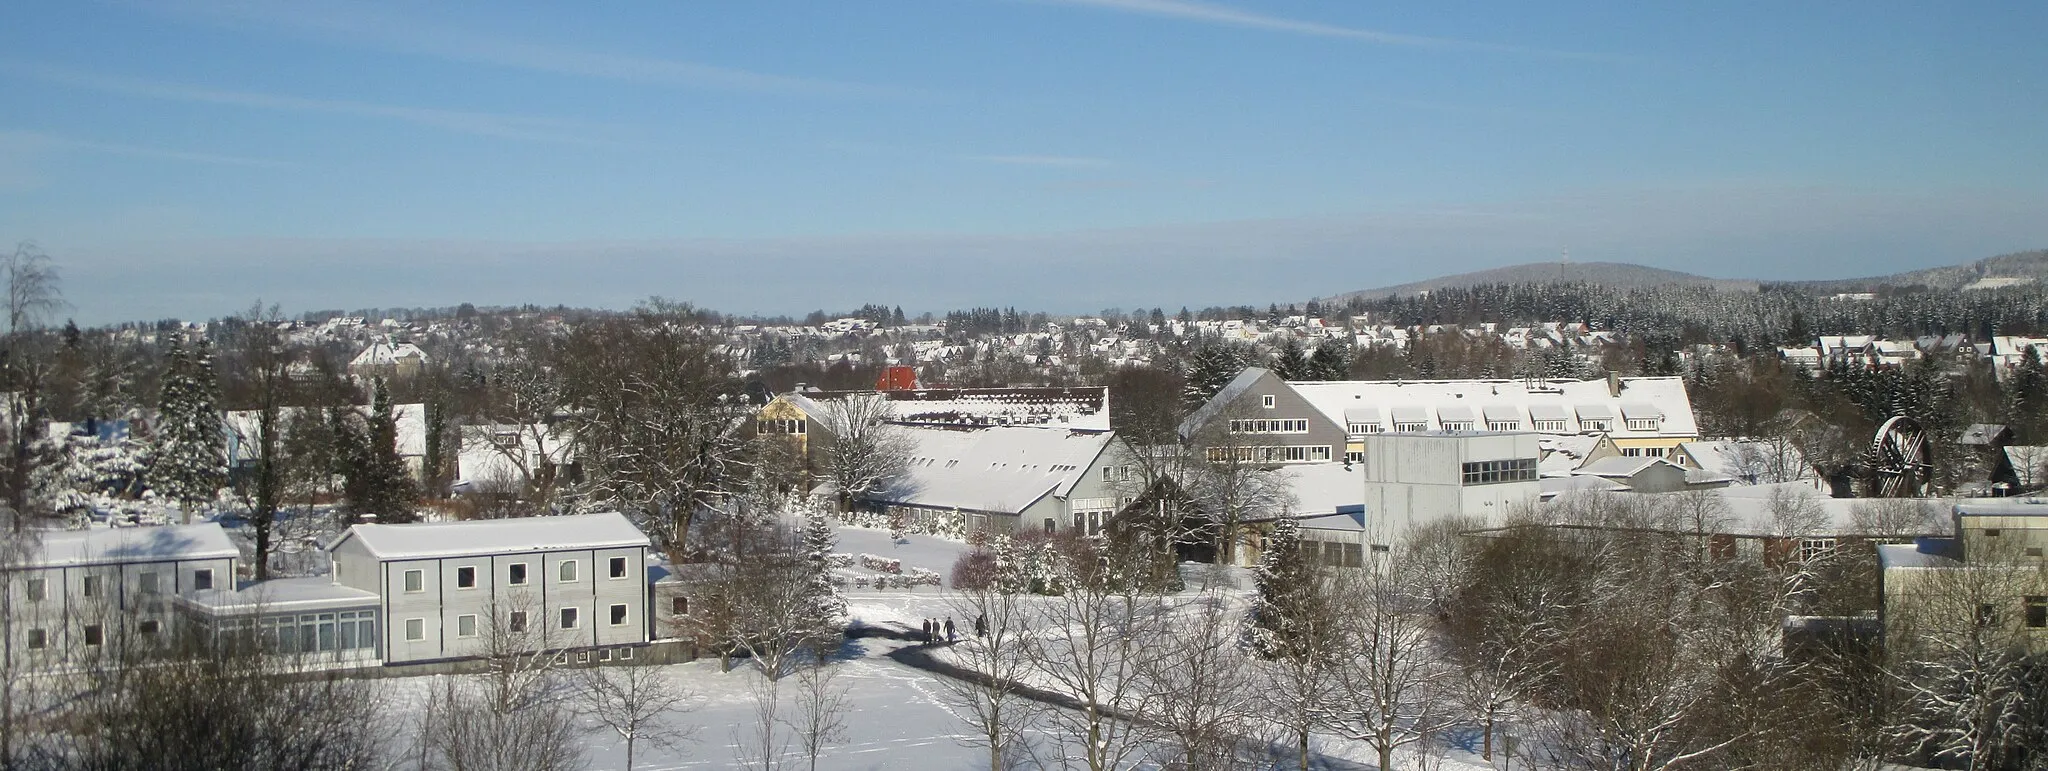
1209, 13
355, 24
36, 139
460, 121
1058, 161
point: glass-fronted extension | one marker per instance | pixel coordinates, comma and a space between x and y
310, 618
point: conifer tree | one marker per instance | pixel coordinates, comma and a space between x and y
1331, 361
189, 443
385, 491
1291, 363
822, 602
1286, 584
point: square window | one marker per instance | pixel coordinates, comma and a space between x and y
38, 589
569, 618
465, 626
618, 567
619, 614
38, 639
625, 654
1268, 401
679, 605
465, 577
415, 629
604, 654
95, 634
515, 574
567, 570
2037, 612
91, 586
146, 583
147, 627
202, 580
583, 657
415, 581
517, 622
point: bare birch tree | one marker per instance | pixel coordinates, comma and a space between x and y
1394, 684
862, 451
1000, 718
1090, 643
819, 719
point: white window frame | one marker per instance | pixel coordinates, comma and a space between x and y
468, 619
1550, 426
569, 618
1269, 401
622, 612
414, 581
38, 589
202, 579
93, 636
38, 639
525, 576
470, 572
89, 586
568, 572
146, 582
620, 569
516, 622
415, 629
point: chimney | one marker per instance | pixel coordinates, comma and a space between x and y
1613, 384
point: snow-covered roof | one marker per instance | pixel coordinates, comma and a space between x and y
1620, 466
109, 546
1926, 554
1521, 401
1564, 454
283, 595
1001, 469
2004, 507
1085, 408
427, 540
1324, 488
1551, 487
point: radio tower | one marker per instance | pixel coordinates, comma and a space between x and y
1564, 265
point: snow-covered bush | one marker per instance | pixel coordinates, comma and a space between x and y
975, 570
839, 560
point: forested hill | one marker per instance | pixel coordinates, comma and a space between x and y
1619, 275
2019, 268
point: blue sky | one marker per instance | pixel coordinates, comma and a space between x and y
184, 157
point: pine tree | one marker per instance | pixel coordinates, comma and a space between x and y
1331, 361
1285, 578
385, 491
822, 602
1210, 367
1291, 363
189, 443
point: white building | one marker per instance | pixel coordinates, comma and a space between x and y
1012, 478
82, 592
445, 589
1417, 478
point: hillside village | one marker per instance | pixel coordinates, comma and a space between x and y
521, 494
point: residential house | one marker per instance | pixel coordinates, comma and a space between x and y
387, 358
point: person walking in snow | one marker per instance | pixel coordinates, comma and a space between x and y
981, 625
949, 630
927, 629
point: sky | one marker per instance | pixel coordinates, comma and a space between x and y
183, 158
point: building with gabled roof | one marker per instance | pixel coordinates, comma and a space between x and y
1011, 478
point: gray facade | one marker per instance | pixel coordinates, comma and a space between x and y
1417, 478
1265, 421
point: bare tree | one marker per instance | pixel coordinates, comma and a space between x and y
863, 451
33, 292
657, 419
1958, 645
1090, 644
1197, 687
639, 704
1229, 475
820, 715
513, 715
1394, 685
1000, 717
27, 363
1897, 517
263, 365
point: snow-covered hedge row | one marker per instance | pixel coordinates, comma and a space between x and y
916, 578
839, 560
881, 564
942, 524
